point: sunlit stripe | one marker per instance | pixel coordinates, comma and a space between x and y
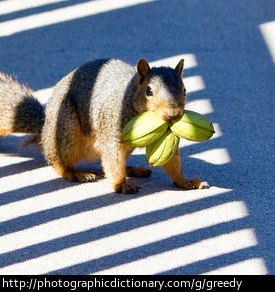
268, 32
217, 156
7, 160
182, 256
17, 5
189, 61
64, 14
89, 219
44, 201
202, 106
125, 240
255, 266
193, 83
218, 131
44, 94
25, 179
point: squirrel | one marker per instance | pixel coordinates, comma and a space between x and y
86, 113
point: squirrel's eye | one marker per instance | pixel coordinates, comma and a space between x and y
149, 91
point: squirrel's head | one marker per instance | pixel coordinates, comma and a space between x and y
160, 90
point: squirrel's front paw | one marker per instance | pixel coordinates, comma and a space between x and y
191, 184
198, 184
126, 188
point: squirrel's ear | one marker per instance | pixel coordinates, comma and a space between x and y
179, 67
143, 69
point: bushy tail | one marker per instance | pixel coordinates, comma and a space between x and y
20, 111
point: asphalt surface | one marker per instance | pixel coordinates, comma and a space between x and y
52, 226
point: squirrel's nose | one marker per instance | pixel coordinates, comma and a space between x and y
172, 114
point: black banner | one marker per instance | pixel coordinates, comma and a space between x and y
159, 283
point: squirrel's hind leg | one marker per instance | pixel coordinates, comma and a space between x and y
138, 171
72, 174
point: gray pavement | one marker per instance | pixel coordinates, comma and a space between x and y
52, 226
